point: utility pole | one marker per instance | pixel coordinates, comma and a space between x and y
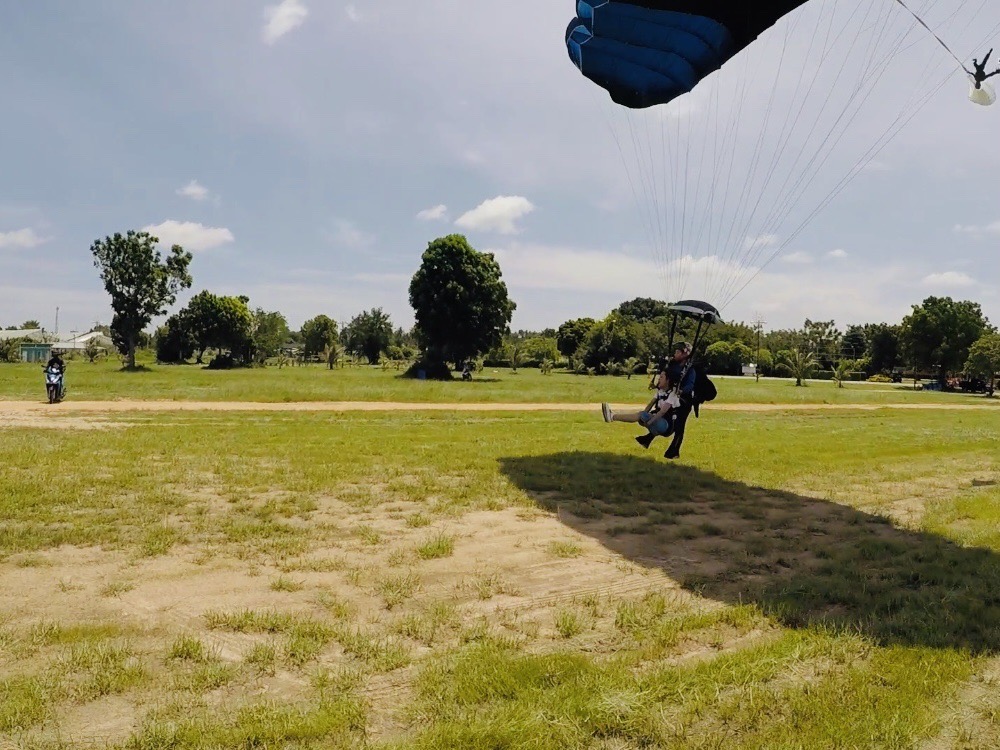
758, 324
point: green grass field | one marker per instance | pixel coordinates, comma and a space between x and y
103, 381
241, 579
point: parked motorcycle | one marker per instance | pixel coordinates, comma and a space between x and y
55, 384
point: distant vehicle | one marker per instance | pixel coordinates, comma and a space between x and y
973, 385
55, 385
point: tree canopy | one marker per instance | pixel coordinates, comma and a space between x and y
459, 300
939, 332
572, 334
218, 322
984, 357
368, 334
318, 334
141, 283
642, 309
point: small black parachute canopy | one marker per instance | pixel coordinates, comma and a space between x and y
697, 310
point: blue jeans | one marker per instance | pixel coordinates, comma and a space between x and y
662, 426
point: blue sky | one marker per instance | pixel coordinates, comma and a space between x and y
307, 152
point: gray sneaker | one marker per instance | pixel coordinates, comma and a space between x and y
608, 414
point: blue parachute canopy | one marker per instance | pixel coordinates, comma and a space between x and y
648, 52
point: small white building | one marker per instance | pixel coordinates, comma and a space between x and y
750, 370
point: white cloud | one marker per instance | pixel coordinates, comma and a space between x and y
547, 267
979, 231
797, 257
838, 253
22, 238
189, 235
194, 190
353, 13
949, 279
496, 215
346, 234
764, 240
280, 19
433, 214
532, 266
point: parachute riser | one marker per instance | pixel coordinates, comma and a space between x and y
705, 315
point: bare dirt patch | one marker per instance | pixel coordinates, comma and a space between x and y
8, 409
502, 577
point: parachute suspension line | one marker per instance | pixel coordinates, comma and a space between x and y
894, 129
783, 207
890, 133
739, 244
791, 197
686, 268
649, 183
788, 197
933, 34
742, 235
707, 222
745, 193
642, 205
732, 139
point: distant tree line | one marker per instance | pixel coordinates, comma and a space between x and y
462, 313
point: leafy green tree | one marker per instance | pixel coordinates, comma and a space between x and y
883, 350
727, 358
823, 340
516, 351
174, 341
460, 302
939, 332
765, 362
217, 322
368, 334
140, 282
732, 333
642, 309
318, 334
30, 325
654, 337
784, 340
854, 344
614, 339
539, 348
984, 358
10, 349
270, 331
572, 334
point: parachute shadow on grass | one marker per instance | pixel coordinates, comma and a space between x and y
804, 561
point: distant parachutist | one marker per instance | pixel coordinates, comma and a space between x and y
979, 73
